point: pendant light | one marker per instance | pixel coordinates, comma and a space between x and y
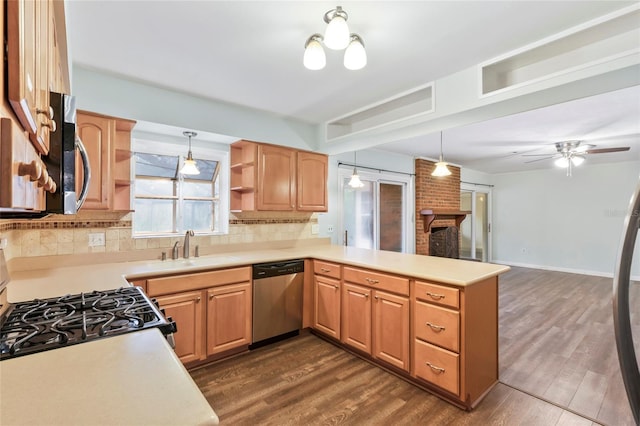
355, 57
189, 167
441, 166
337, 34
355, 181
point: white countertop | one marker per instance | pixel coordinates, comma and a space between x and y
43, 283
136, 378
131, 379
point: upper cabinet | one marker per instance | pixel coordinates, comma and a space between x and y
274, 178
35, 65
108, 144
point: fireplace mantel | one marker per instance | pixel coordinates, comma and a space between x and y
432, 214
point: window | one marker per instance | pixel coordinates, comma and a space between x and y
167, 202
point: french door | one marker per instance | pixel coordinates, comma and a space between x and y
475, 241
378, 215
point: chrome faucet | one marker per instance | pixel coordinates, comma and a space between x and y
185, 247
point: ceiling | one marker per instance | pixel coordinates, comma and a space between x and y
249, 53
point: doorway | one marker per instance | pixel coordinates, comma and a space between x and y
475, 241
378, 215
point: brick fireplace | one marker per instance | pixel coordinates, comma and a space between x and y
438, 206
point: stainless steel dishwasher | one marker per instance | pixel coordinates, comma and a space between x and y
277, 301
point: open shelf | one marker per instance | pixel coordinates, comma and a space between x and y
581, 47
429, 216
409, 104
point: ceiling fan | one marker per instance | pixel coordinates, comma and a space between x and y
572, 153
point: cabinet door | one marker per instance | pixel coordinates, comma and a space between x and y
326, 313
391, 329
186, 310
228, 317
22, 81
356, 317
42, 117
312, 182
276, 178
97, 134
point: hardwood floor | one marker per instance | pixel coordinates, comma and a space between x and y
556, 342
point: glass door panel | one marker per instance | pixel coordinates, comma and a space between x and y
358, 214
465, 227
474, 230
391, 214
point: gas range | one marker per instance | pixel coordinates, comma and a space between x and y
44, 324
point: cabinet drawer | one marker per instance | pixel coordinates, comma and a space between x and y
199, 280
328, 269
437, 325
377, 280
434, 293
437, 366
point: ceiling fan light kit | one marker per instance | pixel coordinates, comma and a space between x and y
573, 153
336, 37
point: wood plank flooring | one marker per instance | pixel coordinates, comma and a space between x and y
556, 342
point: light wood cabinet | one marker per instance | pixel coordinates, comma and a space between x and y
221, 327
326, 313
274, 178
186, 309
31, 57
391, 329
374, 320
356, 317
108, 143
312, 182
228, 317
455, 338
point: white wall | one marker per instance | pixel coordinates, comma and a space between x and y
546, 220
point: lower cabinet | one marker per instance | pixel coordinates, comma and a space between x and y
228, 317
212, 311
186, 310
374, 321
326, 312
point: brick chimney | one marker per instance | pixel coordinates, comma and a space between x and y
441, 193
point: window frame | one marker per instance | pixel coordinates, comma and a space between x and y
167, 145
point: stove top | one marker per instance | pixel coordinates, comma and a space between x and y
41, 325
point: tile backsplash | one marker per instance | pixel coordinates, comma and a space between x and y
68, 235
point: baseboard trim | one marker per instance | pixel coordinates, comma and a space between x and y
559, 269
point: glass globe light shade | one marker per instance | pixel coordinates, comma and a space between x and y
314, 57
562, 162
576, 160
337, 35
355, 57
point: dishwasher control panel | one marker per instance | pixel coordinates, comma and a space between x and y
274, 269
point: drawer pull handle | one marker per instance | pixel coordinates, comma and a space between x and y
434, 327
435, 295
371, 281
325, 270
438, 370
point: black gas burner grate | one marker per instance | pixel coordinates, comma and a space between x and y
40, 325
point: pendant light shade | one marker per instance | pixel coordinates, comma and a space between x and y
314, 57
355, 57
336, 35
355, 181
441, 166
189, 167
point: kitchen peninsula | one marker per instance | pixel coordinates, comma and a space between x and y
462, 290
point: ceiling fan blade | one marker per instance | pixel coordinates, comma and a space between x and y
606, 150
548, 157
536, 155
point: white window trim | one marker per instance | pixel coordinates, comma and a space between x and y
179, 148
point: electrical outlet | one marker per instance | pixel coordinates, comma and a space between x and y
96, 239
329, 229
